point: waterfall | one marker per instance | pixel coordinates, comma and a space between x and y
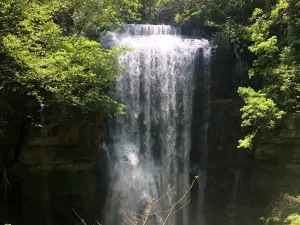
150, 145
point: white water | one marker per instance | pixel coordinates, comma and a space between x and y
151, 144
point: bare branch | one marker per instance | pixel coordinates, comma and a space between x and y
147, 211
188, 190
82, 220
182, 207
135, 217
160, 219
7, 185
128, 219
97, 222
165, 195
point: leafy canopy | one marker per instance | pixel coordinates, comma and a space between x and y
274, 35
266, 35
45, 57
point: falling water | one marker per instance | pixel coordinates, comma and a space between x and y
151, 144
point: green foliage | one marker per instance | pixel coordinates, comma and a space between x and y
93, 15
259, 112
274, 34
293, 219
257, 108
150, 9
286, 210
247, 141
267, 31
209, 12
45, 57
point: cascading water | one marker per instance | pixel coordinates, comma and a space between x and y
150, 145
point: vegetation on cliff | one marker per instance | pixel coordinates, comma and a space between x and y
267, 32
48, 56
51, 61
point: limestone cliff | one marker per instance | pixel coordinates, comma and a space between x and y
53, 169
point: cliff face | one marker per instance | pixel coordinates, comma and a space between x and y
242, 184
52, 170
46, 172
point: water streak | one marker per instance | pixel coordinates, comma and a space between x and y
151, 144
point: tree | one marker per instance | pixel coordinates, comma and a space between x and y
154, 211
266, 35
285, 210
274, 34
90, 17
50, 61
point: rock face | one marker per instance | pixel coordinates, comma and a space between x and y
47, 172
55, 169
242, 184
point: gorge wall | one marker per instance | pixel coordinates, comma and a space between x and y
242, 184
49, 171
53, 170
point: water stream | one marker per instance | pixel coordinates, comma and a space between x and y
150, 145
